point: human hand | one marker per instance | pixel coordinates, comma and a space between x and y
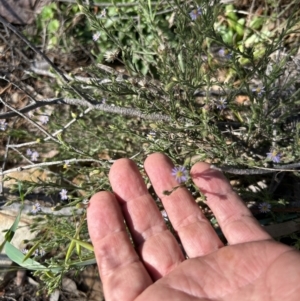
252, 266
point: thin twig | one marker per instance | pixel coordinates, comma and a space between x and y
258, 170
43, 164
36, 50
81, 102
31, 121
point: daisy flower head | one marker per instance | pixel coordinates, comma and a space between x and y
24, 251
44, 119
64, 194
66, 164
36, 208
275, 156
221, 103
111, 56
259, 90
96, 36
180, 173
34, 156
264, 207
225, 53
103, 13
42, 252
195, 13
3, 125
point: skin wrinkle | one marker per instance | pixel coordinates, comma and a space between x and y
257, 277
107, 258
206, 243
189, 290
269, 271
141, 235
164, 240
244, 228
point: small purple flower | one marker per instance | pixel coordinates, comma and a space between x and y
42, 252
104, 101
3, 125
259, 91
64, 194
180, 173
96, 36
34, 156
264, 207
274, 156
36, 208
195, 13
44, 119
29, 152
225, 53
24, 251
103, 13
30, 114
221, 103
67, 164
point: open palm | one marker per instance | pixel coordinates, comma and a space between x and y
251, 267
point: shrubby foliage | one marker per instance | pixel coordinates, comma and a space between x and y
197, 80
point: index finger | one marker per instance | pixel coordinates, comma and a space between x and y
235, 219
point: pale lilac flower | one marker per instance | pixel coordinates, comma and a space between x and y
42, 252
103, 13
104, 100
264, 207
44, 119
30, 114
34, 156
36, 252
3, 125
67, 164
195, 13
24, 251
274, 156
29, 152
259, 90
96, 36
36, 208
225, 53
64, 194
180, 173
221, 103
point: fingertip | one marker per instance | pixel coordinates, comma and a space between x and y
155, 157
96, 199
209, 180
103, 215
119, 165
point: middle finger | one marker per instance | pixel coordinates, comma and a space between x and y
194, 230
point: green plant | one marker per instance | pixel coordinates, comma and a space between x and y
199, 82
